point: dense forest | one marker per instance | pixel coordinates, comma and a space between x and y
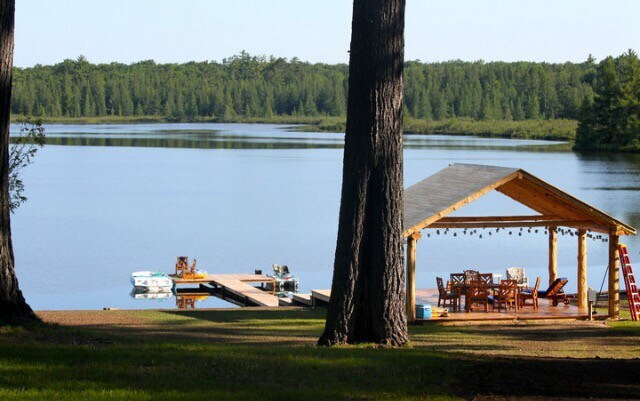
250, 86
612, 120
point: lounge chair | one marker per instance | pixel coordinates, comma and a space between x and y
555, 292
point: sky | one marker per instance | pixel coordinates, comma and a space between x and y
127, 31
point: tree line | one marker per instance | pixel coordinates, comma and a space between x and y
258, 86
612, 120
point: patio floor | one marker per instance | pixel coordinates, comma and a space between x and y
545, 311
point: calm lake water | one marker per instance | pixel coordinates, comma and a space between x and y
107, 200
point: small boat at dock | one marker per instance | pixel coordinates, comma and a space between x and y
148, 281
283, 280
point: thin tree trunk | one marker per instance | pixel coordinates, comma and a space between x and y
367, 294
13, 307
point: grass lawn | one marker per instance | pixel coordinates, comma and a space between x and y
259, 354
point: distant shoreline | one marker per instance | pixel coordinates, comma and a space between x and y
557, 129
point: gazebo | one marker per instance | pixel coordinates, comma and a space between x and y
428, 203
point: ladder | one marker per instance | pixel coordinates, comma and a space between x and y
630, 282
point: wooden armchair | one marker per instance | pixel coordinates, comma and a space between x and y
470, 275
517, 273
530, 294
507, 294
457, 283
486, 278
183, 270
443, 295
478, 296
457, 279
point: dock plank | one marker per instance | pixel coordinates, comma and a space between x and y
302, 299
238, 284
244, 289
285, 301
321, 295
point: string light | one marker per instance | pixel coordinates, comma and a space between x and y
481, 231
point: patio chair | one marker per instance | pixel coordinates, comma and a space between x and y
443, 295
555, 292
517, 273
507, 295
478, 295
457, 283
457, 279
486, 277
530, 294
183, 270
470, 275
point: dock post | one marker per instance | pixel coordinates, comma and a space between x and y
582, 269
553, 254
412, 243
614, 277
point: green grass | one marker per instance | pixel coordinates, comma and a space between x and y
271, 355
564, 130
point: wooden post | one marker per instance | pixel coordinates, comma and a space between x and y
614, 277
553, 254
412, 243
582, 269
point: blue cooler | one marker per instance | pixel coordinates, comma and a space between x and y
423, 311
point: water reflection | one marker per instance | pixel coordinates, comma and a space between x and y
201, 143
188, 300
211, 141
251, 136
158, 296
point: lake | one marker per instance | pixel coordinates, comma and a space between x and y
107, 200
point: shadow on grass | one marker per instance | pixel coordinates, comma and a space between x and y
155, 367
593, 334
270, 355
279, 315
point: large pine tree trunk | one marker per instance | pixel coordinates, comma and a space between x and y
367, 294
13, 308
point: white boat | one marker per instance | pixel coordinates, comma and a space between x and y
147, 281
151, 295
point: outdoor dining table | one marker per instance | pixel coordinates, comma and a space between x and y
464, 290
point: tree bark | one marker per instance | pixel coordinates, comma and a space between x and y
13, 307
367, 294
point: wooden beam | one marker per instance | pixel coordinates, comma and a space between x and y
585, 224
575, 202
412, 243
553, 254
614, 277
465, 219
582, 269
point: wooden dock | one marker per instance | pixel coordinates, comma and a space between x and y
248, 290
320, 297
302, 299
236, 288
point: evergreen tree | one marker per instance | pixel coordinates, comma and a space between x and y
612, 121
240, 85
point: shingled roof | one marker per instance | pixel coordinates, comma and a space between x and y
448, 190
